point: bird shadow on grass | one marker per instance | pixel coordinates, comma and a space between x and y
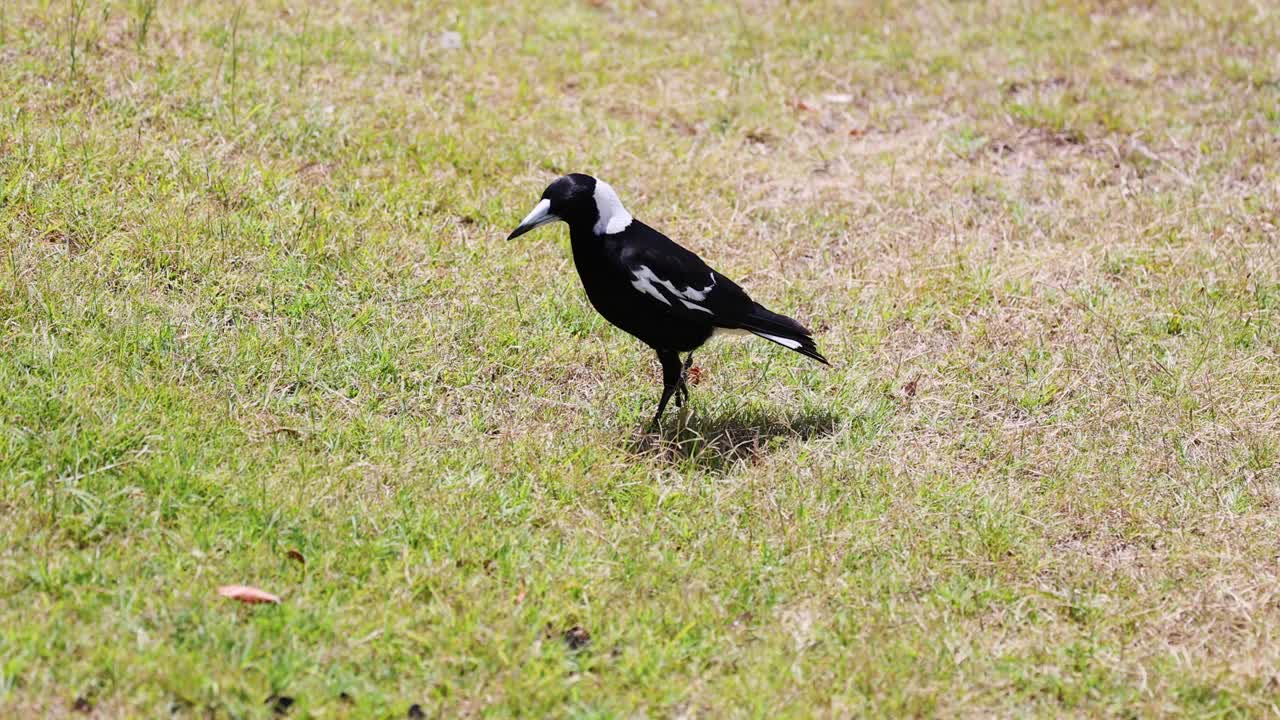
717, 441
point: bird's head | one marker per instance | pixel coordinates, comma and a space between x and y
580, 200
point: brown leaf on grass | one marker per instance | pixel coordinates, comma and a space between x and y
296, 555
695, 375
247, 594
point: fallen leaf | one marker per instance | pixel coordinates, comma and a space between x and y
802, 105
285, 430
857, 132
695, 375
296, 555
247, 594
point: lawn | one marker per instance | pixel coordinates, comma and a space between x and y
259, 324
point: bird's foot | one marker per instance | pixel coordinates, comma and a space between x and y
682, 418
655, 425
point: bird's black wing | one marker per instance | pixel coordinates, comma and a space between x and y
676, 282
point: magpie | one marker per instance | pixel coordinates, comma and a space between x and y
646, 284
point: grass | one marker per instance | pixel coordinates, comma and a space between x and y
258, 324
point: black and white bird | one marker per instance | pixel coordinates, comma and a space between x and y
646, 284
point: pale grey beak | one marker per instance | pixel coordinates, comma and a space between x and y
541, 215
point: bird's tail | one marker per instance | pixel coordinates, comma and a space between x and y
782, 330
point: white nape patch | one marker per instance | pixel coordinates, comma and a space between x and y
613, 217
784, 342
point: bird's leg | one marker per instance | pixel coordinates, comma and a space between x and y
685, 407
682, 393
670, 380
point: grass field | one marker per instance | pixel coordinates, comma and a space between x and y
259, 324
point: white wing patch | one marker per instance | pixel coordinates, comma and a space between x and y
700, 294
643, 282
645, 279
